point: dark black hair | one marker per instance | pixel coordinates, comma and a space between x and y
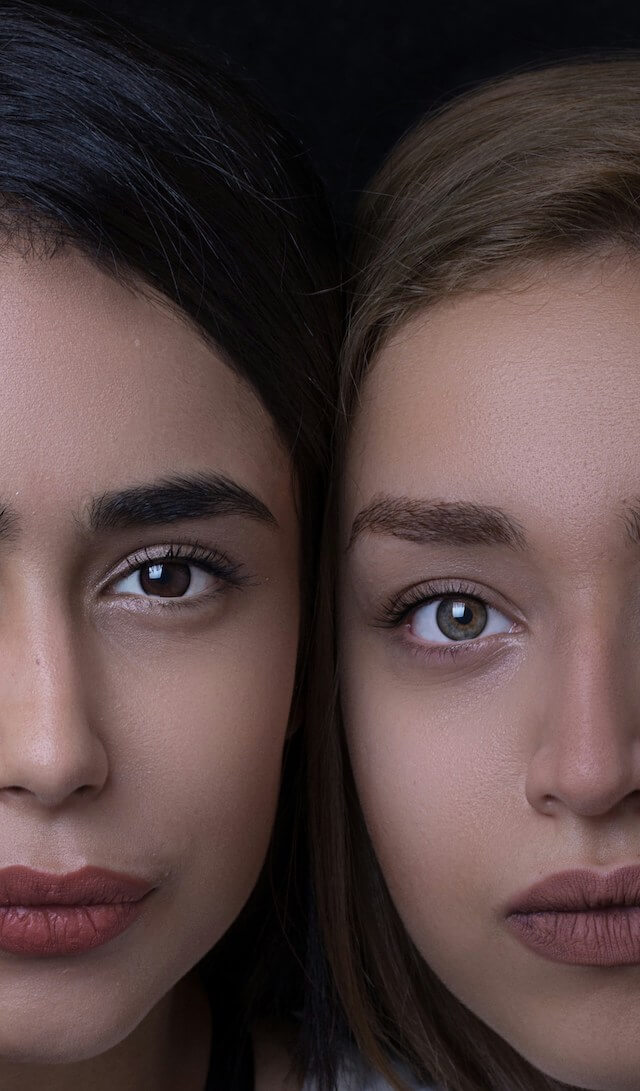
155, 164
166, 172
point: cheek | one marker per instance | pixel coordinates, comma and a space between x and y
199, 726
429, 773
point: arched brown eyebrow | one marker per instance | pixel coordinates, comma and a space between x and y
189, 496
458, 522
631, 519
451, 523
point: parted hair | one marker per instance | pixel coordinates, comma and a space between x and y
538, 167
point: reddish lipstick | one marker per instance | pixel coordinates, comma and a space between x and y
584, 918
44, 915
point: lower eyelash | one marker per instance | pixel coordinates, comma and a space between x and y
181, 604
446, 653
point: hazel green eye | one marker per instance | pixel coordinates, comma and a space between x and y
455, 618
460, 619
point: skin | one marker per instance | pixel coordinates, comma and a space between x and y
482, 773
134, 735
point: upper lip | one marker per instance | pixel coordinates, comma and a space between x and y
578, 890
86, 886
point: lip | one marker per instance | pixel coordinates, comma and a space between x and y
582, 917
44, 914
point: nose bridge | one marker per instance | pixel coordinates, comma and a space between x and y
48, 745
587, 751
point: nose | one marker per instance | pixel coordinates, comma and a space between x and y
586, 753
50, 752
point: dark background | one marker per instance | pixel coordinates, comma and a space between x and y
350, 76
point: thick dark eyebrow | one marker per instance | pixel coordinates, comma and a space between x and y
449, 523
191, 496
9, 525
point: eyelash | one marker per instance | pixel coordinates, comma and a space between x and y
397, 609
213, 561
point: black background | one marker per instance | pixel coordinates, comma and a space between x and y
350, 76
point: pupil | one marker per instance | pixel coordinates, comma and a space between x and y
167, 580
460, 619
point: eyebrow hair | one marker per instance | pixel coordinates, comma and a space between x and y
188, 496
451, 523
631, 519
9, 524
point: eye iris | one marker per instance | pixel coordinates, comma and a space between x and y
169, 580
460, 619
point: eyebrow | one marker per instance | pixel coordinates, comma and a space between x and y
450, 523
459, 522
9, 527
188, 496
631, 519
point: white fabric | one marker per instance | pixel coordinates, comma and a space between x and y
355, 1076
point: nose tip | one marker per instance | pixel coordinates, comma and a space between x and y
50, 752
49, 791
53, 770
586, 755
587, 794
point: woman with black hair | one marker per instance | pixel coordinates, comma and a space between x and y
169, 323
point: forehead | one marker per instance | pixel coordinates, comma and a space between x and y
528, 396
102, 383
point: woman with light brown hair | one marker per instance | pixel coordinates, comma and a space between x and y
476, 816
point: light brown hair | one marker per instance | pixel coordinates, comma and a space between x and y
539, 167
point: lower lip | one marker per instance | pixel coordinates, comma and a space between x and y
53, 930
596, 937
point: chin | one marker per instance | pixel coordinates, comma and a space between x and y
52, 1031
603, 1071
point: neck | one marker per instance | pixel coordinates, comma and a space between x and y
168, 1049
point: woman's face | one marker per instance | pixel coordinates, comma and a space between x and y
490, 629
148, 636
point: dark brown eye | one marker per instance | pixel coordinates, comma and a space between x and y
461, 618
167, 578
170, 579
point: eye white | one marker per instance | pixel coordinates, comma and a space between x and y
424, 623
200, 580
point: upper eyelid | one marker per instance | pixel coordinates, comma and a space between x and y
178, 551
428, 591
188, 552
